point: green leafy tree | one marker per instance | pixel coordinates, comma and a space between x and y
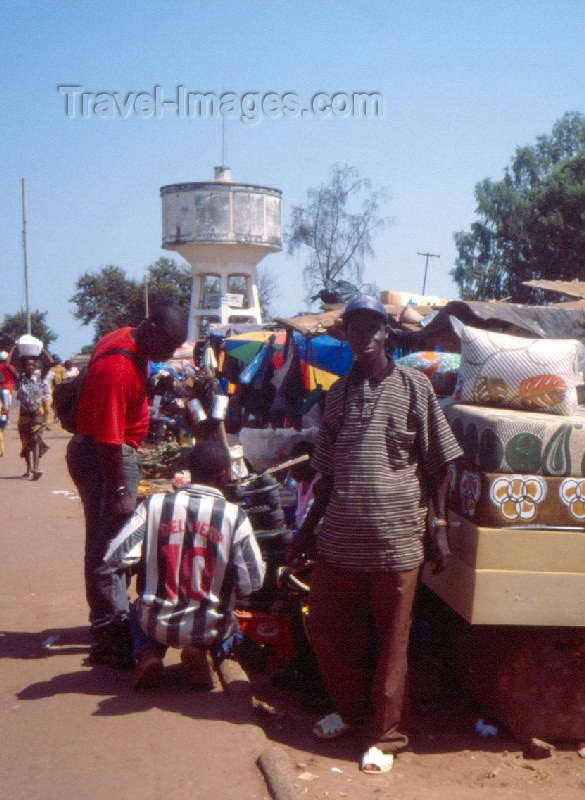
337, 227
109, 299
106, 299
531, 223
169, 284
14, 326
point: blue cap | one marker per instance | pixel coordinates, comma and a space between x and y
364, 302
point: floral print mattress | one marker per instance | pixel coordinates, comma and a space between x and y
501, 440
512, 500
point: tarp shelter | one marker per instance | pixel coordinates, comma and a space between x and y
245, 346
323, 359
546, 322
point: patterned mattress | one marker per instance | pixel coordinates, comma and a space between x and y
499, 500
526, 442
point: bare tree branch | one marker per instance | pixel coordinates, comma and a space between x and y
338, 238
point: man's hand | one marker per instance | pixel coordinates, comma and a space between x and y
440, 550
122, 504
301, 547
111, 466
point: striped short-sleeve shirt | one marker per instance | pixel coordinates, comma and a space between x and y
381, 442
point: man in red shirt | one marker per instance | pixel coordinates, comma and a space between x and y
112, 421
6, 389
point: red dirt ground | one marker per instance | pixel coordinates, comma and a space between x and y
73, 731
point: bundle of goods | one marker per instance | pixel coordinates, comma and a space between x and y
28, 345
440, 368
522, 464
265, 616
514, 412
259, 497
265, 448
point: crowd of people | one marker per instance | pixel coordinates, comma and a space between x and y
381, 458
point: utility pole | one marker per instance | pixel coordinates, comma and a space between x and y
25, 257
146, 308
427, 256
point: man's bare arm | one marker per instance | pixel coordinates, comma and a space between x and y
304, 541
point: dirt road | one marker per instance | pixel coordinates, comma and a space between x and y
75, 731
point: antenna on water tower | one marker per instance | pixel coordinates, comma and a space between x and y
223, 161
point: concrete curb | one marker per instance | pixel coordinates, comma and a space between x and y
273, 762
279, 774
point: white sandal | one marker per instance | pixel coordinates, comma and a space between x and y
374, 761
330, 727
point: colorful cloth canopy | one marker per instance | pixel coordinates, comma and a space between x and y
323, 360
245, 346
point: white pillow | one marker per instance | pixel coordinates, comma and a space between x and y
516, 372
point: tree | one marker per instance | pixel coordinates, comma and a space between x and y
108, 299
169, 284
532, 222
337, 225
14, 326
266, 292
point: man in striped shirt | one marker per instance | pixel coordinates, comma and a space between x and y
383, 450
195, 554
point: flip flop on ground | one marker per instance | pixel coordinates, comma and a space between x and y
330, 727
375, 762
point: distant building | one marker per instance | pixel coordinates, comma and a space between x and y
223, 229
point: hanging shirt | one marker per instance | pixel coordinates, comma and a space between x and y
305, 498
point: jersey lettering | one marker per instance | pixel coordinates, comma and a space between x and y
196, 571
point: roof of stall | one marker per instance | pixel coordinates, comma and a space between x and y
555, 321
570, 288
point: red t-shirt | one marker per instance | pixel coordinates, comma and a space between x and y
113, 408
8, 378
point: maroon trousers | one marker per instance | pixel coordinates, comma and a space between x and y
344, 606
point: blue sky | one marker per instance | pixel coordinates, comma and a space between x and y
464, 83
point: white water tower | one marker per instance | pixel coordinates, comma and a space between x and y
223, 229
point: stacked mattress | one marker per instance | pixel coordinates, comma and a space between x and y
517, 514
520, 469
